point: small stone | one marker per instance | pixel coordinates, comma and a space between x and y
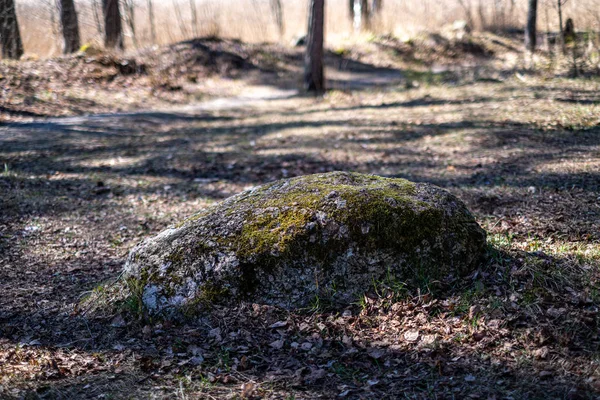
118, 322
306, 346
278, 324
376, 353
196, 360
411, 336
541, 353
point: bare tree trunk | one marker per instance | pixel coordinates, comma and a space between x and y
52, 11
194, 18
559, 4
70, 26
466, 6
130, 19
113, 26
10, 36
314, 78
277, 11
351, 11
511, 16
180, 21
482, 18
376, 7
365, 15
531, 29
547, 27
151, 22
95, 7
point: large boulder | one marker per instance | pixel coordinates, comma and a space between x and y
327, 236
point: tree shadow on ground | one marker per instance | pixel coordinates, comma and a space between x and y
54, 170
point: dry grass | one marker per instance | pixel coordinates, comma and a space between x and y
251, 20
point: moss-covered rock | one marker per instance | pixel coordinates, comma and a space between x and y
329, 236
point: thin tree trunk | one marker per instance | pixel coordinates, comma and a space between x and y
95, 8
113, 25
482, 18
70, 26
531, 28
365, 15
277, 11
351, 11
151, 22
560, 25
466, 6
130, 19
547, 28
376, 7
194, 18
52, 11
314, 77
10, 36
180, 21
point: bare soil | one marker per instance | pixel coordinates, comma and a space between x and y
521, 149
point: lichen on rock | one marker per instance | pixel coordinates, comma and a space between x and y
327, 235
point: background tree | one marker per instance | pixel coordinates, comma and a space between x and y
365, 15
180, 21
468, 10
194, 13
95, 10
559, 7
70, 26
482, 16
531, 28
12, 45
314, 77
376, 7
129, 6
151, 22
277, 11
113, 26
351, 11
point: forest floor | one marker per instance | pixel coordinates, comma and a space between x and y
521, 149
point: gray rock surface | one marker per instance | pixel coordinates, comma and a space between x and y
328, 236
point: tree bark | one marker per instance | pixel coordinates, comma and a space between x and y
376, 7
466, 6
70, 26
194, 18
482, 17
151, 22
560, 25
314, 77
365, 15
113, 25
277, 11
95, 8
10, 36
531, 29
